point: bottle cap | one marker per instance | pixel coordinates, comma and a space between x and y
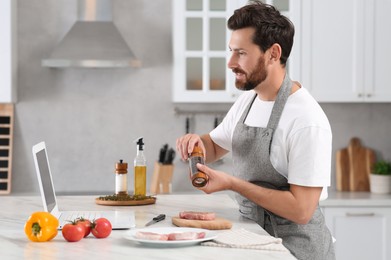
197, 151
121, 167
140, 143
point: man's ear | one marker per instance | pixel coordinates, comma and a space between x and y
275, 52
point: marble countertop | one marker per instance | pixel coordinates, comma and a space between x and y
356, 199
16, 209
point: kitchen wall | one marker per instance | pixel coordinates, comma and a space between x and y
90, 117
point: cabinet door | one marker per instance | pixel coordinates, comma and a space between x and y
7, 51
378, 57
201, 51
360, 233
331, 62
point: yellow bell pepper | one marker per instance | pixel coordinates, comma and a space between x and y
41, 227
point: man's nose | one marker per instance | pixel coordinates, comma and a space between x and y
231, 64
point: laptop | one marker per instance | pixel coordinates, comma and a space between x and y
118, 219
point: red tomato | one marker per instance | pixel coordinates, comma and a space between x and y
101, 228
73, 232
87, 225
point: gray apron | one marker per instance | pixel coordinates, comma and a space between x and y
251, 158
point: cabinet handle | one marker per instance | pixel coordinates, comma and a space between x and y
364, 214
359, 95
369, 95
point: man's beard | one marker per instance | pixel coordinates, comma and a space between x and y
254, 79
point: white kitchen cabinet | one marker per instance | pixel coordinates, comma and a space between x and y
200, 45
360, 232
8, 49
343, 50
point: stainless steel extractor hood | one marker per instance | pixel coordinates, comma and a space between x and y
93, 41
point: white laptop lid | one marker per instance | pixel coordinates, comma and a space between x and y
118, 219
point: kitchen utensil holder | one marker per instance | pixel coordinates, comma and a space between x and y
161, 179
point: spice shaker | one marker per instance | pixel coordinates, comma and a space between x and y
198, 178
121, 178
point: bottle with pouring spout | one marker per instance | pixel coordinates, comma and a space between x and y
198, 178
140, 170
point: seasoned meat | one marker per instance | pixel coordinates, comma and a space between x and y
170, 236
151, 236
186, 236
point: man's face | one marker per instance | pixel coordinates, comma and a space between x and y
247, 61
252, 78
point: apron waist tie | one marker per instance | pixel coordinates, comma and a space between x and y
263, 215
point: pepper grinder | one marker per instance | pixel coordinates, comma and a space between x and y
121, 178
198, 178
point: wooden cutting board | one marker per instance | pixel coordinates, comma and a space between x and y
342, 170
216, 224
353, 166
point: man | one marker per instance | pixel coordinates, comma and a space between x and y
279, 137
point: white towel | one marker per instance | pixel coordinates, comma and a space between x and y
241, 238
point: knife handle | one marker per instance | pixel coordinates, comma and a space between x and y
160, 217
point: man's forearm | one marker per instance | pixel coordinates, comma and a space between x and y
297, 205
213, 151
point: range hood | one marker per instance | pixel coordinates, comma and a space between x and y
93, 41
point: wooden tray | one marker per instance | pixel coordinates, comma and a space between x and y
125, 202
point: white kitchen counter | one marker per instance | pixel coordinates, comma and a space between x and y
16, 209
356, 199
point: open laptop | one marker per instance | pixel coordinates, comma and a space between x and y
118, 219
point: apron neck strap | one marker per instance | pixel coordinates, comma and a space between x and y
281, 99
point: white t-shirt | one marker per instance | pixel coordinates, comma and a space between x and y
301, 146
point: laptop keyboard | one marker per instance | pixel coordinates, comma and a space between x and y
68, 216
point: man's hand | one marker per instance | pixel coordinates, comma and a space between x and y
186, 143
218, 180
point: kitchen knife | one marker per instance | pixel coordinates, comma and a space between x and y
156, 219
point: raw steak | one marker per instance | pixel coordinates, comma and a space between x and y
151, 236
194, 215
186, 236
171, 236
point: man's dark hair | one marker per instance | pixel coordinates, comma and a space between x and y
270, 26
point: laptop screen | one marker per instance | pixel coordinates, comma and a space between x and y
46, 179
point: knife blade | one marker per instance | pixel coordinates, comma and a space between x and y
156, 219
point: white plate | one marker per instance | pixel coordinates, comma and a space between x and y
131, 235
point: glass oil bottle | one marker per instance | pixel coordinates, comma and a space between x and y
140, 170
